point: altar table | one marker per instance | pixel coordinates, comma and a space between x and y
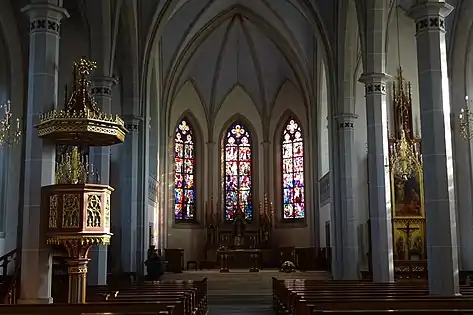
255, 255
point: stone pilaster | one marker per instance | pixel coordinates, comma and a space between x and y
36, 260
442, 251
345, 219
266, 170
101, 90
129, 199
378, 177
211, 161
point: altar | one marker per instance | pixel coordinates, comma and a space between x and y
228, 257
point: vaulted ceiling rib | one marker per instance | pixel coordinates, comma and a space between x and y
238, 50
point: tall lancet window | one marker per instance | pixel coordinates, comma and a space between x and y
237, 179
292, 146
184, 173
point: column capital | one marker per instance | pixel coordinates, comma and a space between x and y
132, 123
102, 85
346, 121
374, 77
375, 83
430, 16
45, 17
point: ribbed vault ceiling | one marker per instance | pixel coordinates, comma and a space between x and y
223, 43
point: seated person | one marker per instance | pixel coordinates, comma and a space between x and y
155, 267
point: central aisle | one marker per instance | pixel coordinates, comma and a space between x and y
240, 291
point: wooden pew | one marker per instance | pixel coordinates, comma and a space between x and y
139, 308
192, 294
303, 297
157, 298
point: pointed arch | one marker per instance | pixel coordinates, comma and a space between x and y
237, 170
292, 169
185, 205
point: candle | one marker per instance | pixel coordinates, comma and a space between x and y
18, 123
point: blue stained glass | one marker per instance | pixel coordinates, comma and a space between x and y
184, 177
292, 160
237, 177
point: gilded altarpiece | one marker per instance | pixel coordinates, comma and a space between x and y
406, 183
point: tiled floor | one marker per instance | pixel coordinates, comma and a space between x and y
240, 291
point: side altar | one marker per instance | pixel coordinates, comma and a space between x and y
407, 193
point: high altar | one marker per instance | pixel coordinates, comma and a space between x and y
408, 213
242, 243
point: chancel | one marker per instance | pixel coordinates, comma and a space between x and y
282, 156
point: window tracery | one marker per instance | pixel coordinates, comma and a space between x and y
292, 160
237, 178
184, 173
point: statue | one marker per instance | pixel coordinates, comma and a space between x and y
239, 224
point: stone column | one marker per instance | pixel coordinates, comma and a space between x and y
346, 221
379, 185
439, 199
378, 177
36, 260
100, 158
129, 199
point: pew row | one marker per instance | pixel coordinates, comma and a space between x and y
304, 297
160, 297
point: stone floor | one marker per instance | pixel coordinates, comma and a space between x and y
240, 291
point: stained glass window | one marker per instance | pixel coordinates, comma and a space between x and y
237, 158
293, 171
184, 173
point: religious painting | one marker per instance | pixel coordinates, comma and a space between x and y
184, 173
407, 195
409, 240
237, 172
292, 159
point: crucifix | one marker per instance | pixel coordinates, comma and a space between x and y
408, 230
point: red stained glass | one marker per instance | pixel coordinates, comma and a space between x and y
292, 147
184, 180
238, 171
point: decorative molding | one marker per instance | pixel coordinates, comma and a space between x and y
430, 23
375, 88
51, 26
101, 91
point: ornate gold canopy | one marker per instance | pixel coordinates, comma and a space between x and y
81, 122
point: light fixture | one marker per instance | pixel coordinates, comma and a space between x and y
9, 135
465, 121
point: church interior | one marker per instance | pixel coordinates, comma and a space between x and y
236, 156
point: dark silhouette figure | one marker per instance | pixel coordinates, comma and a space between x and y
154, 265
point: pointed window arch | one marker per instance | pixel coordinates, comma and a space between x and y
184, 173
237, 171
292, 160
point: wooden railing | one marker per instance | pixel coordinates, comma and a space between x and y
10, 284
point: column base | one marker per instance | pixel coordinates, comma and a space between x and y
36, 301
